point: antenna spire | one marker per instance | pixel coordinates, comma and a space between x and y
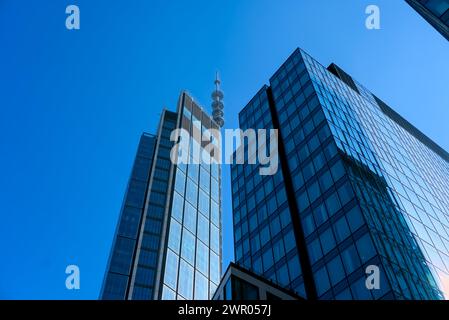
217, 102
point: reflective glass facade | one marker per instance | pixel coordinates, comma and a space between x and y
118, 276
364, 188
436, 12
171, 248
192, 268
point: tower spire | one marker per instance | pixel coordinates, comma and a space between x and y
217, 102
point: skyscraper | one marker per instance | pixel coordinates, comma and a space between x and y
358, 189
436, 12
168, 240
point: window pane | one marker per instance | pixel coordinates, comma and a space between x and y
203, 229
201, 287
186, 280
188, 246
174, 238
202, 258
171, 270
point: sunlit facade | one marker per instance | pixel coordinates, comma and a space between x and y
364, 187
169, 246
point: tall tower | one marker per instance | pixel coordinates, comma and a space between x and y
168, 241
357, 186
217, 103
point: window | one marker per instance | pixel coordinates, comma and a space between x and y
185, 280
193, 171
337, 272
322, 281
314, 191
177, 209
214, 268
215, 190
204, 180
326, 181
130, 222
174, 238
438, 7
298, 181
142, 293
345, 193
289, 240
264, 236
337, 170
202, 258
294, 268
341, 229
255, 243
267, 258
278, 250
203, 229
171, 270
122, 256
282, 275
365, 248
303, 201
168, 294
285, 218
333, 204
275, 226
320, 214
180, 182
192, 192
268, 186
359, 290
188, 246
350, 259
204, 203
281, 196
201, 287
215, 213
253, 223
308, 225
190, 218
144, 276
327, 241
355, 218
243, 290
308, 171
214, 238
315, 252
257, 266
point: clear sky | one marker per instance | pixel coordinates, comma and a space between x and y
74, 103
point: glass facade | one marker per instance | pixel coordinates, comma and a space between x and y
364, 188
436, 12
170, 247
118, 276
192, 268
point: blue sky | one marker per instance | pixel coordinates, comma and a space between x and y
74, 103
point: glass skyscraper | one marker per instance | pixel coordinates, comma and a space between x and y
357, 186
168, 240
436, 12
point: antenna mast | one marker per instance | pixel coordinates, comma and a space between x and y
217, 102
